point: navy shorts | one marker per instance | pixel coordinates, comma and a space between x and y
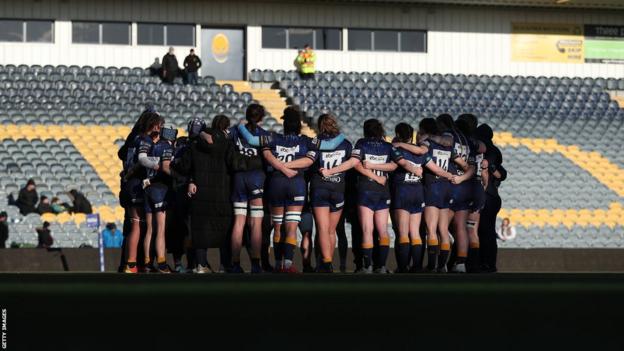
408, 197
134, 194
323, 197
307, 222
156, 198
375, 200
478, 193
248, 186
462, 195
438, 194
285, 192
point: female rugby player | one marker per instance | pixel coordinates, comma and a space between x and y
157, 196
461, 190
373, 157
248, 191
327, 189
470, 201
136, 163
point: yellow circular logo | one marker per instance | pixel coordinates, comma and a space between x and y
220, 48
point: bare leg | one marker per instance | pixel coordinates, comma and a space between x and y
147, 241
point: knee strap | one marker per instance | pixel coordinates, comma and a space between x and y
293, 216
278, 219
240, 208
471, 224
256, 211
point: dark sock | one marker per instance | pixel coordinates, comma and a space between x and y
255, 262
416, 253
472, 263
443, 258
432, 256
289, 251
403, 256
383, 254
367, 255
460, 260
131, 264
277, 250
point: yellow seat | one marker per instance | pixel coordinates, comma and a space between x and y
63, 217
79, 218
48, 217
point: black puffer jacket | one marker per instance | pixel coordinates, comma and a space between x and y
494, 157
210, 167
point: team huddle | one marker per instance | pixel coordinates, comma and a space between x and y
428, 183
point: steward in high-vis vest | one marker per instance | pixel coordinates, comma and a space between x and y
305, 62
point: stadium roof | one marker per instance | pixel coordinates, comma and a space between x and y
594, 4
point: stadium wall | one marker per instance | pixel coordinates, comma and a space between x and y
461, 39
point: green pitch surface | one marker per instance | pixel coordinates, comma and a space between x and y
77, 311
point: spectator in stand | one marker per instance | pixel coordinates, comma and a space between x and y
80, 202
112, 236
169, 67
507, 231
44, 205
192, 63
45, 236
305, 62
155, 68
4, 230
27, 198
57, 207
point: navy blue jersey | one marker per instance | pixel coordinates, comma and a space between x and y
241, 143
464, 148
163, 151
374, 151
290, 147
331, 159
403, 176
133, 153
477, 158
140, 144
442, 156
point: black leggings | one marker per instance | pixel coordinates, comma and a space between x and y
487, 231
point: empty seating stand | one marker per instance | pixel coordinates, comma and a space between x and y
107, 96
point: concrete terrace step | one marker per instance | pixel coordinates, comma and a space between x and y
271, 99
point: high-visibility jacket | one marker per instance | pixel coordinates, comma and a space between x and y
305, 61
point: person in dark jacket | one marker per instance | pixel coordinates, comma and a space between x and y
80, 202
44, 236
209, 163
192, 63
4, 230
169, 67
155, 68
493, 173
27, 198
44, 205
